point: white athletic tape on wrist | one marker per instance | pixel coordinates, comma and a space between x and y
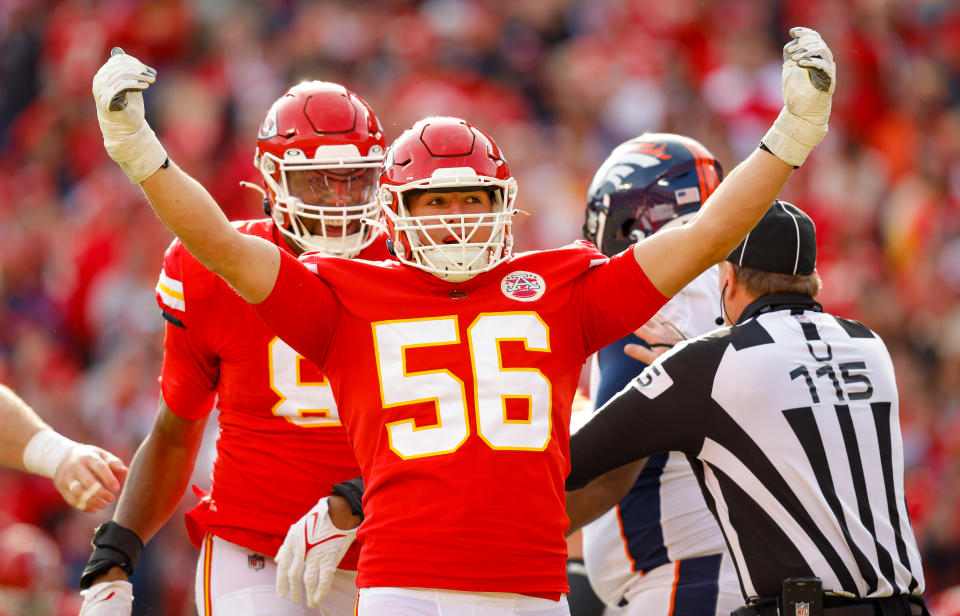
791, 138
45, 451
147, 161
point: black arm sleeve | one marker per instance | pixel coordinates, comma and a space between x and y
114, 546
666, 408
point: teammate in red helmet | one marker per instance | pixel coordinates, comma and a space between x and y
281, 445
454, 371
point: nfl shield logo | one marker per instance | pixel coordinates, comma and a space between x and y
523, 286
803, 609
255, 561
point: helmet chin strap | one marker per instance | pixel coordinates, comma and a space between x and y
255, 187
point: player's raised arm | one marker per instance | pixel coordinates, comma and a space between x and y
249, 264
809, 79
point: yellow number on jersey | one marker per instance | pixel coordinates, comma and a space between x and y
495, 385
308, 404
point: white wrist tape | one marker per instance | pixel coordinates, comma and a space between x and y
142, 155
45, 451
792, 138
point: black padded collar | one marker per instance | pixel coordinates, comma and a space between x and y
779, 301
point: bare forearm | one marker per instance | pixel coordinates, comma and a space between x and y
157, 480
597, 497
249, 264
738, 204
20, 423
191, 213
674, 257
159, 475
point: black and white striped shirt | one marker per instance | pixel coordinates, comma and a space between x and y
790, 421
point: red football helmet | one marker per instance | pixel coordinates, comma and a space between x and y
319, 150
446, 154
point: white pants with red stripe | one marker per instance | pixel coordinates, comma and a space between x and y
235, 581
434, 602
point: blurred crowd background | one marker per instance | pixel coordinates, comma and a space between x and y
558, 83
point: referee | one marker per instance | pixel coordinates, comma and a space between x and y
790, 421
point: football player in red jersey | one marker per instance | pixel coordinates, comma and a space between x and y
281, 444
455, 368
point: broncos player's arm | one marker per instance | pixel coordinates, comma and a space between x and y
668, 407
158, 477
597, 497
248, 263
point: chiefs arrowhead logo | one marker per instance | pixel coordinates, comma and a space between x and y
523, 286
269, 127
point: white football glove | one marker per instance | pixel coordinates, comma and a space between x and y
809, 79
127, 137
310, 554
107, 599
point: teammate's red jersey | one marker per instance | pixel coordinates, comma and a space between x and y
457, 400
281, 445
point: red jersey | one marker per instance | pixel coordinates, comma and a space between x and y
457, 400
281, 444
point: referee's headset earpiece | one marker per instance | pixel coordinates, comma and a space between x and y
725, 275
719, 320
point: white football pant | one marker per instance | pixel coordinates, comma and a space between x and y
434, 602
236, 581
665, 591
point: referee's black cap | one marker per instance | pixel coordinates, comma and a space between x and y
783, 242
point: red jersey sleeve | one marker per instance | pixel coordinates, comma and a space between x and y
169, 290
619, 298
302, 309
189, 376
188, 380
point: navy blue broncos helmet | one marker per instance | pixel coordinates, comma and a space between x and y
645, 183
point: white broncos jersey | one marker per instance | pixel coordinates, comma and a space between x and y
664, 517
